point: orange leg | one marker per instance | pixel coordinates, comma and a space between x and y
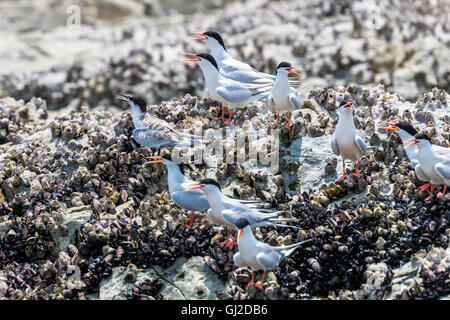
440, 195
344, 175
223, 113
260, 284
190, 221
252, 281
229, 119
231, 244
425, 186
288, 125
226, 240
356, 174
278, 120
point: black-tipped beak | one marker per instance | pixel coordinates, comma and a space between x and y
123, 97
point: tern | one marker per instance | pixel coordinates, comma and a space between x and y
283, 97
153, 132
228, 66
259, 255
406, 132
347, 141
231, 93
191, 200
225, 210
431, 164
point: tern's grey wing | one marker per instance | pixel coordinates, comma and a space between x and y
193, 200
360, 143
295, 100
443, 170
234, 93
268, 259
151, 138
334, 145
419, 173
441, 151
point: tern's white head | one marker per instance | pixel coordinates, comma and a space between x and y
209, 186
404, 129
214, 41
346, 108
135, 102
284, 68
207, 63
422, 141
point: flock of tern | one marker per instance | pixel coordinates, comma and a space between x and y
236, 84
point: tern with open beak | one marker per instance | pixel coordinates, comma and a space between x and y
406, 132
259, 255
283, 97
347, 141
232, 94
232, 208
431, 164
192, 200
228, 66
153, 132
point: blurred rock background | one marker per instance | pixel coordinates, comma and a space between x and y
137, 45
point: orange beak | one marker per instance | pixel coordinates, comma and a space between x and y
348, 105
203, 37
194, 186
158, 159
388, 128
389, 124
414, 141
239, 235
291, 70
192, 55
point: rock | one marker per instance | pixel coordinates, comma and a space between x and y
185, 279
72, 220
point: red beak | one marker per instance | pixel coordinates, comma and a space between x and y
348, 105
203, 37
192, 55
291, 70
194, 186
159, 159
414, 141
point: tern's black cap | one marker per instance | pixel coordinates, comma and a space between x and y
242, 223
422, 136
284, 65
139, 101
404, 125
210, 181
215, 35
343, 103
210, 58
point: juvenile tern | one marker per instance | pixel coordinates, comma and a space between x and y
153, 132
232, 94
283, 97
221, 204
347, 141
259, 255
431, 164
